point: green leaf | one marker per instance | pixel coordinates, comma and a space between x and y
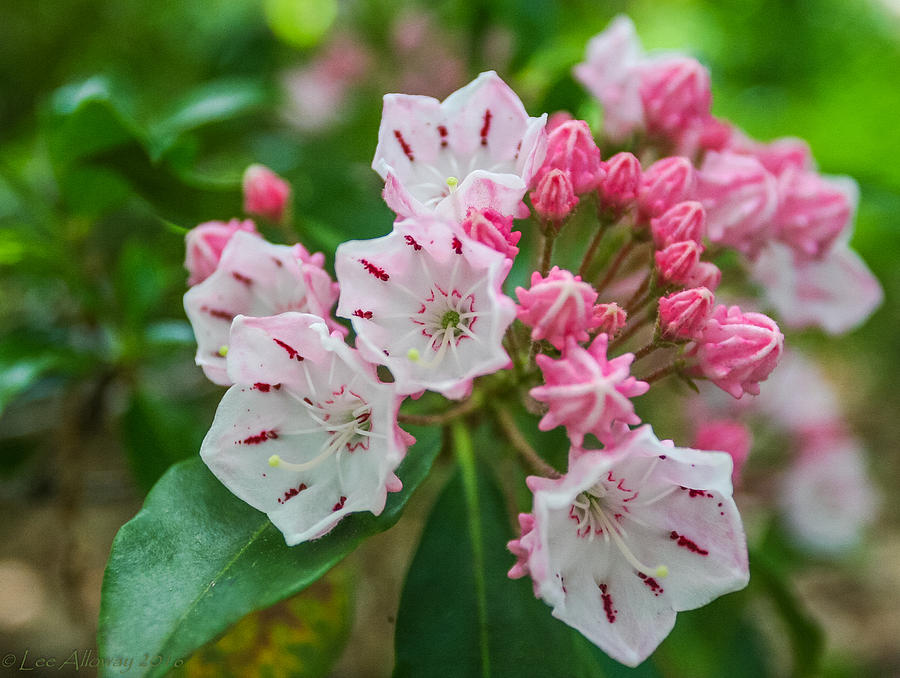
196, 559
16, 377
459, 613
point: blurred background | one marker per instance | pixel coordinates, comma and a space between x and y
123, 123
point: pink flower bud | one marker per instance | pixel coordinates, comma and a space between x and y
725, 435
619, 189
776, 156
812, 212
705, 274
491, 228
265, 193
684, 221
558, 118
554, 198
557, 307
675, 92
683, 315
740, 197
610, 318
664, 184
571, 148
677, 261
738, 350
204, 244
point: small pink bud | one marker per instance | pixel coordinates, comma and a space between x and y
705, 274
677, 261
554, 198
725, 435
684, 221
491, 228
812, 212
557, 307
619, 189
610, 318
571, 148
776, 156
715, 134
265, 193
204, 244
675, 92
682, 315
738, 350
664, 184
558, 118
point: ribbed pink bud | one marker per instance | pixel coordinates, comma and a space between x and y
554, 198
684, 221
493, 229
677, 261
619, 189
204, 244
726, 435
683, 315
812, 212
265, 193
558, 118
738, 350
611, 318
675, 93
664, 184
705, 274
557, 307
776, 156
571, 148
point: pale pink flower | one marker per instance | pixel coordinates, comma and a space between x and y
571, 148
725, 435
491, 228
612, 318
254, 278
837, 293
426, 301
265, 193
676, 262
827, 497
585, 392
740, 197
664, 184
630, 536
675, 93
554, 198
204, 245
307, 434
683, 315
813, 211
619, 189
557, 307
608, 73
738, 350
476, 149
683, 221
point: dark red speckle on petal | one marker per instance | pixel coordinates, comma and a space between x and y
218, 313
263, 388
407, 150
291, 493
260, 437
651, 584
686, 543
457, 245
359, 313
412, 242
375, 270
608, 608
291, 351
486, 127
242, 278
443, 132
697, 493
339, 505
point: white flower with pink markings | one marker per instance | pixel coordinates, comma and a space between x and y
254, 278
476, 149
426, 301
630, 536
307, 433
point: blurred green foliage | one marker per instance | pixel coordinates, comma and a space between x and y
124, 123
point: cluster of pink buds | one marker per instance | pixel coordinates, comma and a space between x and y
637, 528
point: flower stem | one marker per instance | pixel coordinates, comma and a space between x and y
615, 266
517, 440
465, 407
632, 329
661, 372
644, 351
550, 232
592, 249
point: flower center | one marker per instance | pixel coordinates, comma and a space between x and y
590, 511
446, 319
450, 319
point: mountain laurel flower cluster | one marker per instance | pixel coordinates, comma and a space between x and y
530, 282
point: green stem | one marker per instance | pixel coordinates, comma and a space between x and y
615, 266
517, 440
466, 407
549, 237
661, 372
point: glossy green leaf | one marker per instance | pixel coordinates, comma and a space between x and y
196, 559
461, 616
